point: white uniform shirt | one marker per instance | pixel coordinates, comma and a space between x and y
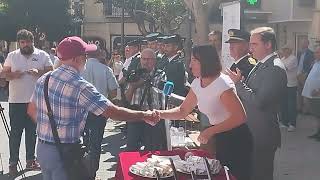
21, 89
209, 98
126, 65
312, 81
291, 65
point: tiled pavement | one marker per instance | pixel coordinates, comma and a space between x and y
298, 158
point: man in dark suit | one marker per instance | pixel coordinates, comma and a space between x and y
175, 67
261, 94
239, 50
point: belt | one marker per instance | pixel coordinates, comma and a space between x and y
46, 142
52, 143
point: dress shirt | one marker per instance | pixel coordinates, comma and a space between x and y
267, 57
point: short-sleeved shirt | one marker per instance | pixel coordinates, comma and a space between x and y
20, 90
312, 81
71, 98
209, 101
101, 76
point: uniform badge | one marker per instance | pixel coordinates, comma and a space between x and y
252, 61
231, 33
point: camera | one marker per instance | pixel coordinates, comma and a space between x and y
134, 75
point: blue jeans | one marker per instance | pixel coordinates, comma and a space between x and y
50, 162
94, 131
289, 107
20, 120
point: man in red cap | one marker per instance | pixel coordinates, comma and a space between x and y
71, 99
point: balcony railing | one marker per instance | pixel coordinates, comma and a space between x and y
111, 11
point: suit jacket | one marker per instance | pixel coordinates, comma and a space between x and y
244, 65
175, 71
308, 61
261, 97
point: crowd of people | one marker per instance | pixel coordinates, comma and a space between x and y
65, 96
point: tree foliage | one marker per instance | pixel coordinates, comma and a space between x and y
154, 15
49, 18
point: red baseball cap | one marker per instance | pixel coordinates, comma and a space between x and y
71, 47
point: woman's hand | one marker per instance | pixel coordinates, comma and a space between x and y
204, 136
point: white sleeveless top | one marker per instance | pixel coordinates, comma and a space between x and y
208, 98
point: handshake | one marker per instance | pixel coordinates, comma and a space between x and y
151, 117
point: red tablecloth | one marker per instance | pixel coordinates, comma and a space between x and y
126, 159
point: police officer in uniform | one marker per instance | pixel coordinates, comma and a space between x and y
135, 59
239, 50
175, 68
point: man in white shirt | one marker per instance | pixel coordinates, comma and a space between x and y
289, 109
311, 90
101, 77
22, 68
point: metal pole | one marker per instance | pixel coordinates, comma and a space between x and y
122, 29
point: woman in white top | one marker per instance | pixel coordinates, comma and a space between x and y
289, 106
215, 95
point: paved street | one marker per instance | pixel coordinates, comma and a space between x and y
298, 159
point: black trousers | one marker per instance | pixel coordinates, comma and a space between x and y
234, 149
19, 120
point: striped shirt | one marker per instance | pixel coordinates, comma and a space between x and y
71, 98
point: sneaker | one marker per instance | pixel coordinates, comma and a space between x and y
13, 172
33, 165
291, 128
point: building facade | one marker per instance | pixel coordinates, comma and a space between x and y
291, 19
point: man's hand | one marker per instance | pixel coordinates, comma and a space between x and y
204, 136
235, 76
151, 117
33, 71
